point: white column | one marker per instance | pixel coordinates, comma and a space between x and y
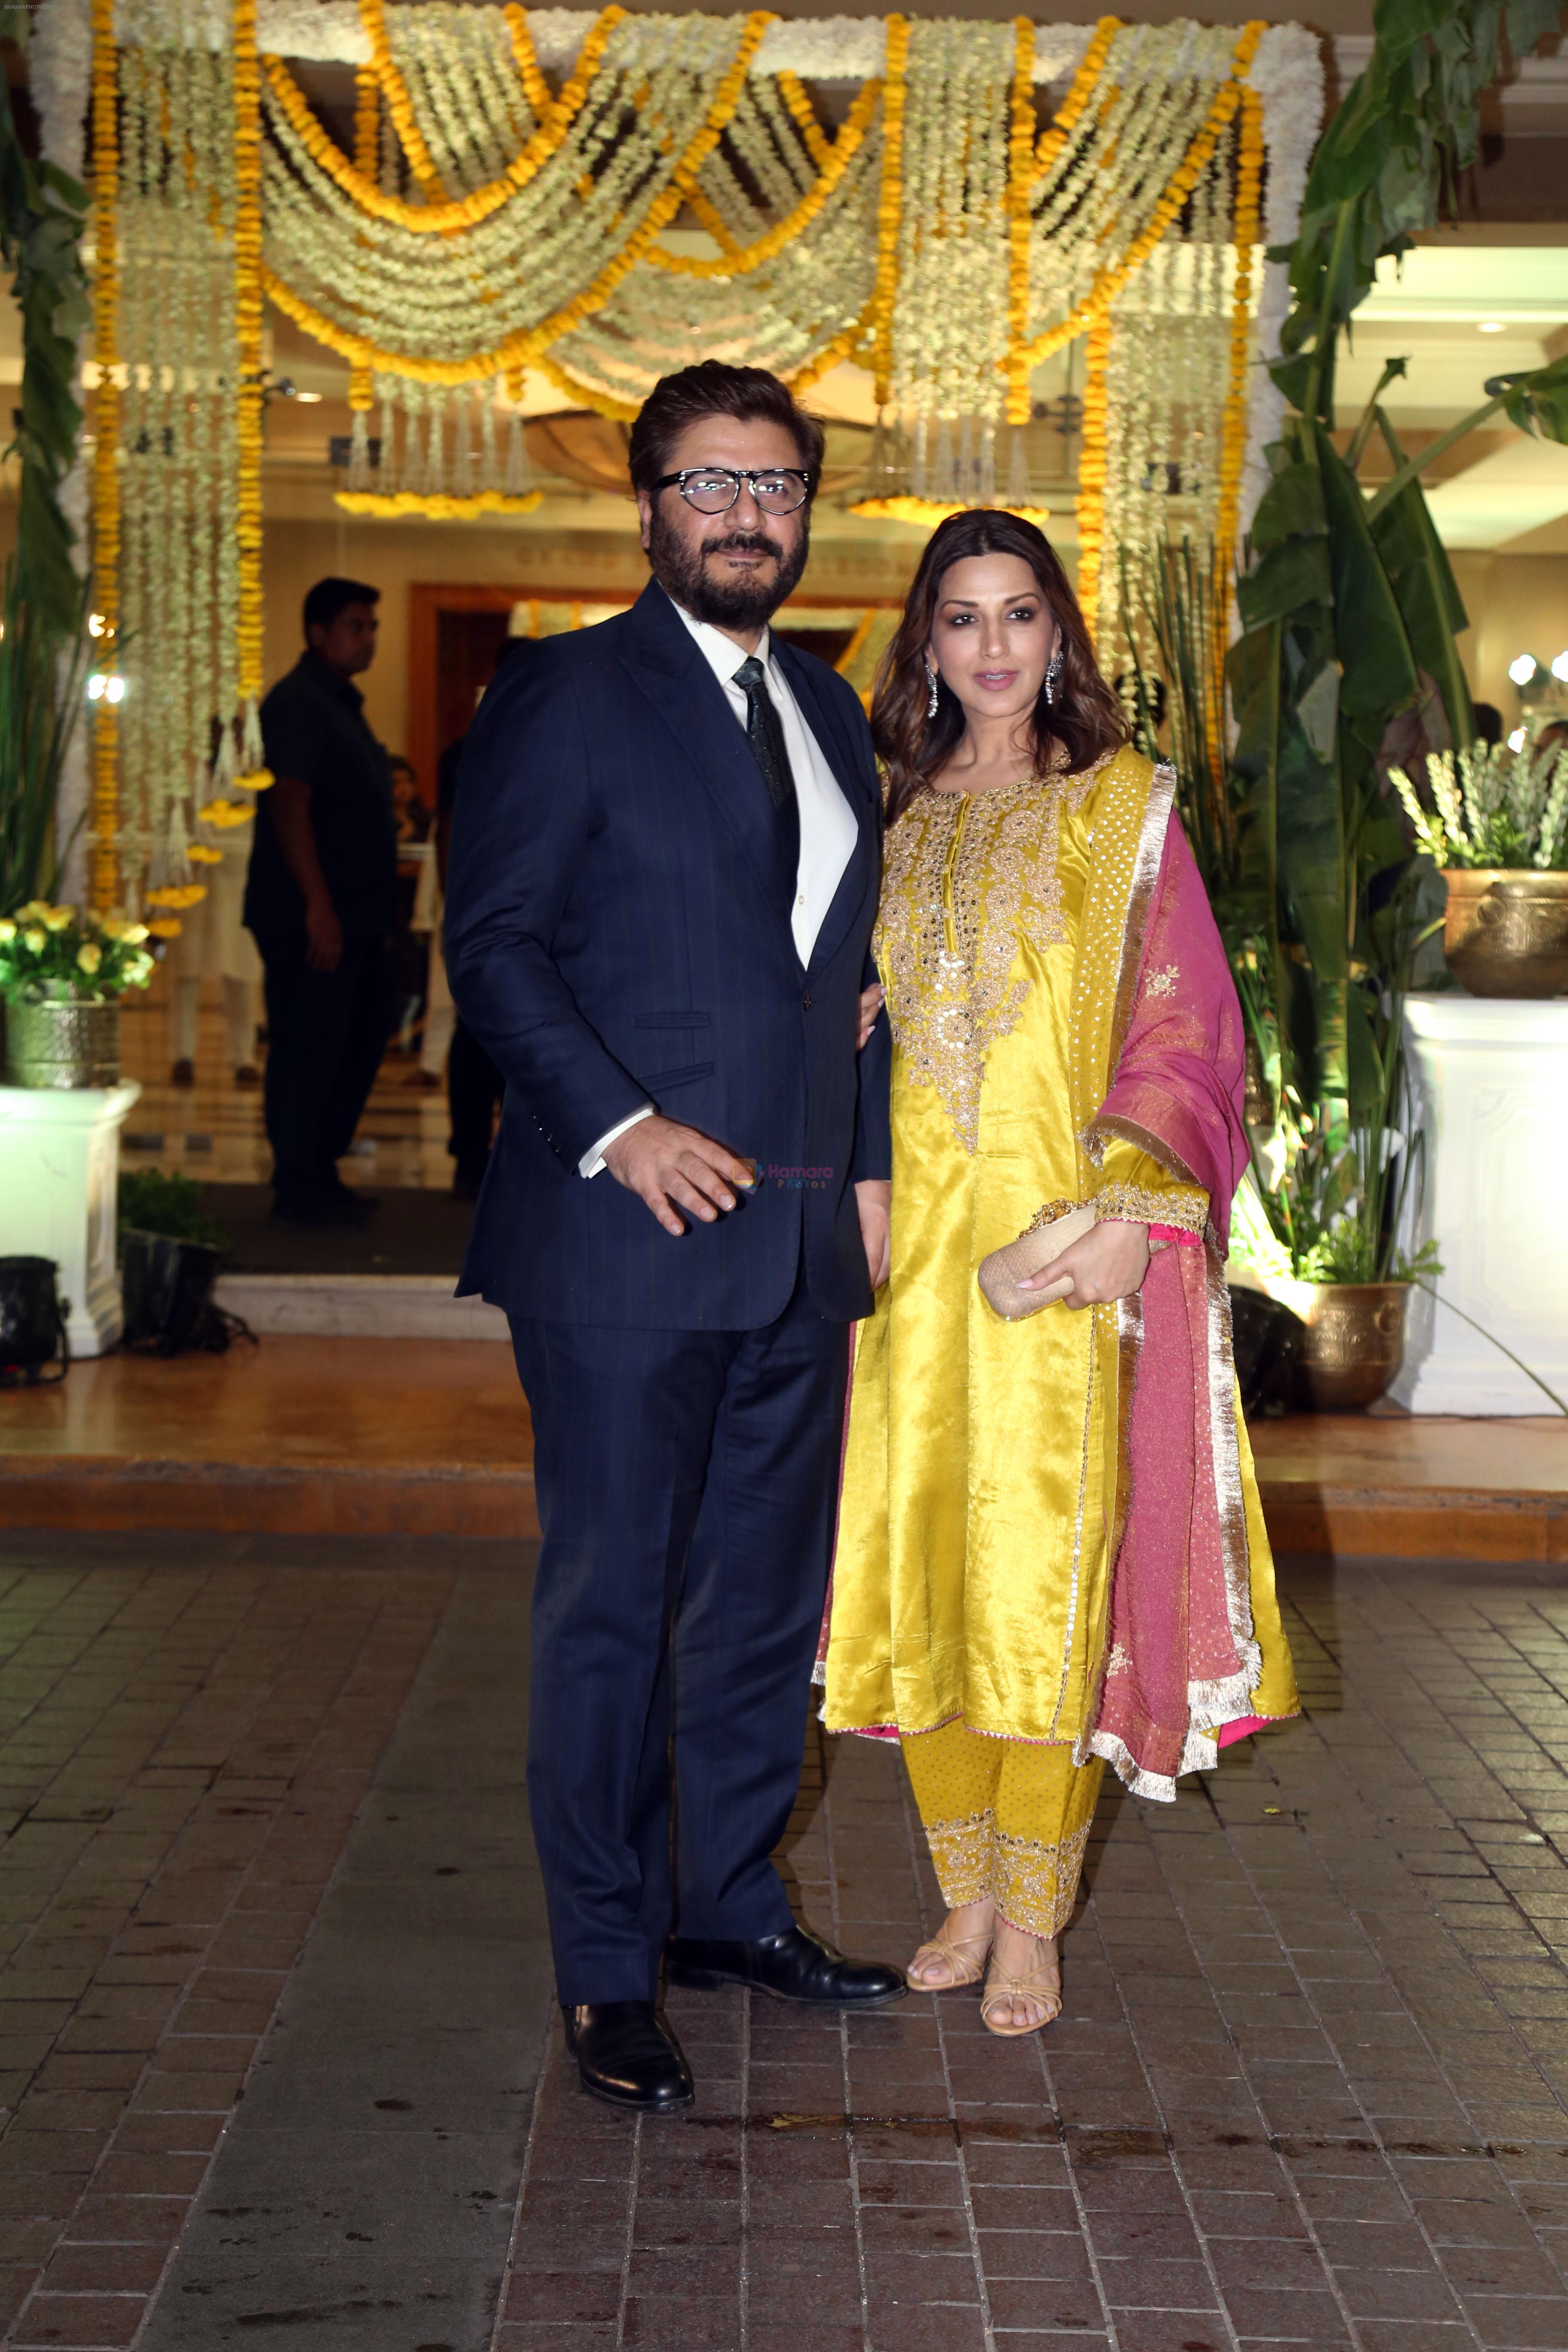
1490, 1078
59, 1168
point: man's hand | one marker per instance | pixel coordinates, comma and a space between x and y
875, 1201
1108, 1262
673, 1168
870, 1005
324, 934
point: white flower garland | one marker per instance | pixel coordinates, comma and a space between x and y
1288, 75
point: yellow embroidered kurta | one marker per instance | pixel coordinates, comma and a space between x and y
972, 1568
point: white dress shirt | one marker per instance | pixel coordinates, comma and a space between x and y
827, 829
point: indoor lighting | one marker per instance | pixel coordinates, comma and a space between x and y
105, 689
1559, 665
95, 625
1522, 668
309, 399
1491, 326
1516, 740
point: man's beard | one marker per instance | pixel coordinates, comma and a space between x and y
746, 600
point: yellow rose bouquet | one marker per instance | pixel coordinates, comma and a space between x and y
54, 952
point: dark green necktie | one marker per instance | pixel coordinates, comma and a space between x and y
765, 733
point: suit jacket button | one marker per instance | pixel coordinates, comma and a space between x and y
805, 1006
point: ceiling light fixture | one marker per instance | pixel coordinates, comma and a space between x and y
1491, 326
1522, 668
309, 399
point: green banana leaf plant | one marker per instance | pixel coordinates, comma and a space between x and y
44, 600
1348, 614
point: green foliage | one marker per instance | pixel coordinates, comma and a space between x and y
43, 216
155, 1201
41, 696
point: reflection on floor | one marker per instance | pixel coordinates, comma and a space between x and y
1308, 2085
214, 1130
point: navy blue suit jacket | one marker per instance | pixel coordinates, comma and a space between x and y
615, 934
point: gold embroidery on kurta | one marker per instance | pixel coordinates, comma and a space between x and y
968, 877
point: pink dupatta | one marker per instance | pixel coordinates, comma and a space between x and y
1181, 1657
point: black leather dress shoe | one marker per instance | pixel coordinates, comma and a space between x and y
791, 1967
627, 2057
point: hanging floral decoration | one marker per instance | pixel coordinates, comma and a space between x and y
520, 197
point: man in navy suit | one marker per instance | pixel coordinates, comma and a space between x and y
662, 878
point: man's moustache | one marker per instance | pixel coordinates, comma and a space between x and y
743, 542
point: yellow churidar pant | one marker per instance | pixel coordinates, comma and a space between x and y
1007, 1820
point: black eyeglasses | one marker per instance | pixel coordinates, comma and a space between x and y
714, 489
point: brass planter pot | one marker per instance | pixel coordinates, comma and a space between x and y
1353, 1343
62, 1042
1506, 933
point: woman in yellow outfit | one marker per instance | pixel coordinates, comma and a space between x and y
1050, 1551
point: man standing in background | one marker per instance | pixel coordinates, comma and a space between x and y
321, 898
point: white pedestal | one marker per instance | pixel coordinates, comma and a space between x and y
60, 1165
1489, 1076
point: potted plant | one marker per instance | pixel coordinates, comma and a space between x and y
1498, 832
170, 1252
62, 974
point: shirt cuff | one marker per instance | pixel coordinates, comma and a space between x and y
593, 1160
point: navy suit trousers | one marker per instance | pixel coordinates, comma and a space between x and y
686, 1483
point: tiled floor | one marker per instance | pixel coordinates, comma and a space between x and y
1308, 2088
214, 1130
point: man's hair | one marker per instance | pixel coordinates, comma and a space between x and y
328, 598
712, 388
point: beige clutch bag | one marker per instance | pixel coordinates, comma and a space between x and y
1001, 1273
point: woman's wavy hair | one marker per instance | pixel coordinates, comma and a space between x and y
1085, 719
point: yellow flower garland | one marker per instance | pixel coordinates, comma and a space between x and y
1020, 183
445, 217
1053, 141
1248, 180
793, 96
398, 103
248, 314
439, 506
852, 137
890, 207
535, 88
103, 886
1091, 469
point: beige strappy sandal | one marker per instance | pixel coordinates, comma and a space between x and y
955, 1951
1041, 1984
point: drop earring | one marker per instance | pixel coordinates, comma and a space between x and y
932, 681
1053, 677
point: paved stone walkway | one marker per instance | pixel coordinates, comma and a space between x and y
1308, 2088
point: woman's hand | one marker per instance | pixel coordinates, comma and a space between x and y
1108, 1262
870, 1005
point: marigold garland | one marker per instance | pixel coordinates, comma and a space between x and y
103, 885
889, 207
439, 506
535, 88
793, 96
1091, 469
449, 214
249, 309
1248, 186
398, 103
1021, 175
1084, 82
